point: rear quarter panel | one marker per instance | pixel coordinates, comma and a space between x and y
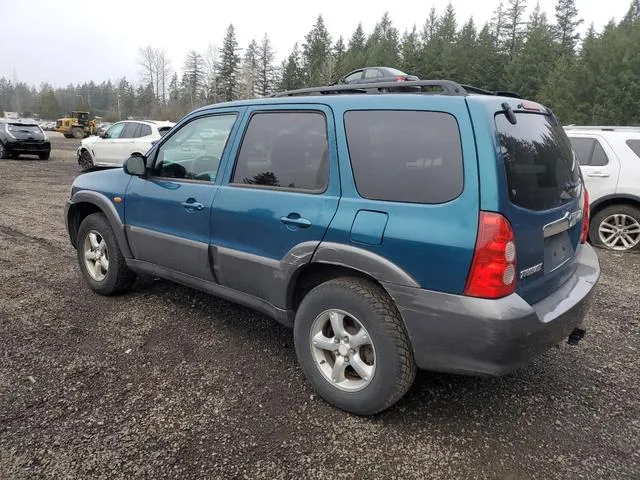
432, 243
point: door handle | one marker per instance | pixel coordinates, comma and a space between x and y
296, 220
193, 205
598, 174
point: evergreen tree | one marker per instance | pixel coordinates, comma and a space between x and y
266, 75
356, 50
499, 25
529, 70
193, 78
382, 45
339, 59
633, 14
292, 71
464, 54
48, 107
410, 52
174, 92
515, 25
443, 61
489, 60
228, 69
567, 22
316, 54
429, 56
145, 100
249, 72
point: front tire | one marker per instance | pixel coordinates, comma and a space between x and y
353, 347
3, 152
77, 133
44, 156
101, 261
616, 228
85, 160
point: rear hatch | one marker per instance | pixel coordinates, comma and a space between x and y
25, 132
543, 199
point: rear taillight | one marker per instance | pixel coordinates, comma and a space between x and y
585, 217
493, 270
401, 79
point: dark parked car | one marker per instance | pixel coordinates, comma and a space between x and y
376, 74
391, 231
23, 139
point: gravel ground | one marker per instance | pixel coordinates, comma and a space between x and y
167, 382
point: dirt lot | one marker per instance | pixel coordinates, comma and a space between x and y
169, 382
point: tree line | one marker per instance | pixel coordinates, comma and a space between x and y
590, 80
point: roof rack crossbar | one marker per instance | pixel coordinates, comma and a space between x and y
447, 87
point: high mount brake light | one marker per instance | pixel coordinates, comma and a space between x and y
532, 106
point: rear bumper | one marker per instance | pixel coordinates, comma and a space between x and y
20, 148
453, 333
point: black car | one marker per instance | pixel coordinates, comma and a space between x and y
376, 74
23, 139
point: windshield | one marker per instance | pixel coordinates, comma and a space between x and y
541, 170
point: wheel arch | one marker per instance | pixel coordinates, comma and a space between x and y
85, 203
332, 260
313, 274
609, 200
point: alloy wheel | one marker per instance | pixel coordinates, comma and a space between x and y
619, 232
343, 350
96, 256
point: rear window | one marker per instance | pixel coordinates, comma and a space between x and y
405, 156
23, 128
635, 146
541, 170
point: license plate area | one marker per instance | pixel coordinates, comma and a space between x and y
558, 250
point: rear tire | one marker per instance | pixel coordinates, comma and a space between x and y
617, 228
102, 264
359, 376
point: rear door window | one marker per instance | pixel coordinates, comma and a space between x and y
130, 130
405, 156
538, 159
635, 146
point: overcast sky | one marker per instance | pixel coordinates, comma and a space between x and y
62, 42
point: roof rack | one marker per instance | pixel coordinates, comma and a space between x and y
442, 87
608, 128
447, 87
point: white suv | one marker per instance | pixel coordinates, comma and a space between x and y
119, 142
610, 162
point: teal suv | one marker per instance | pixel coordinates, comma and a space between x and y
439, 227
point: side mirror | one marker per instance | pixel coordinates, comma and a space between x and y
135, 165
